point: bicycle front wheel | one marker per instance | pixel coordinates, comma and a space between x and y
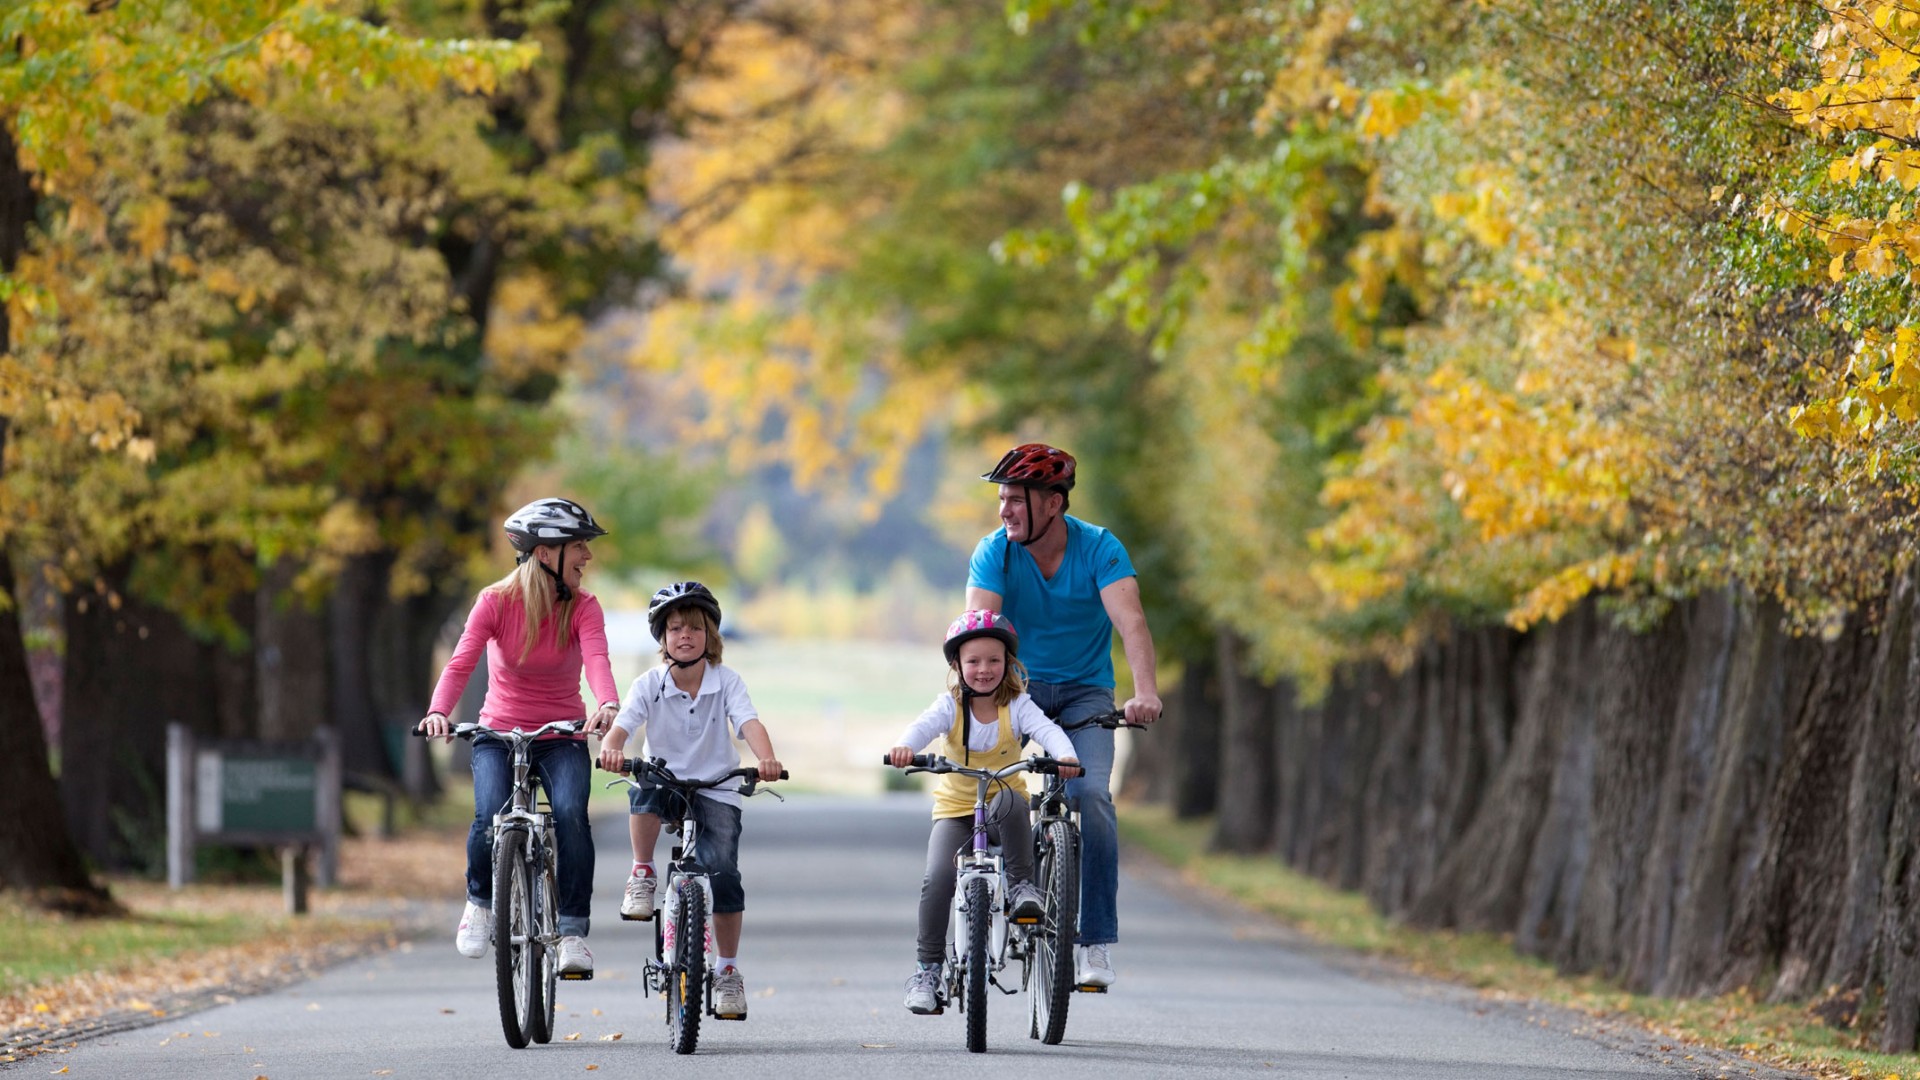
979, 912
687, 968
515, 944
1058, 871
547, 919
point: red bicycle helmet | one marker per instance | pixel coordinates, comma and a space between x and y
1034, 465
978, 622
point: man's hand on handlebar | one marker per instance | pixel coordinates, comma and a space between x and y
1142, 708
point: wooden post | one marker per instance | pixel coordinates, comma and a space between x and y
180, 805
293, 877
327, 804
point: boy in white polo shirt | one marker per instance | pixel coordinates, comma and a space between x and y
692, 707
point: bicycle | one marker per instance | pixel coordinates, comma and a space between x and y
526, 929
980, 938
1056, 869
683, 954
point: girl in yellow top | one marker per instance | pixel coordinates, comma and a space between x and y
981, 722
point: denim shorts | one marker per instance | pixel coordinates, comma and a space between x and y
719, 825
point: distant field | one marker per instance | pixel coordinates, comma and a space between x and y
832, 707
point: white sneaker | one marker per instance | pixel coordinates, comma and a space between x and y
574, 957
923, 992
1024, 903
1093, 966
637, 904
476, 931
730, 994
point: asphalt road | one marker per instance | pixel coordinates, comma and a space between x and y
831, 883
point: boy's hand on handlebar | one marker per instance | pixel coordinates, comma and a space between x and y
769, 768
611, 758
900, 757
435, 724
1142, 708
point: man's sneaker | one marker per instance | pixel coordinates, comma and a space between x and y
637, 904
1093, 966
575, 961
730, 994
1024, 904
476, 931
923, 992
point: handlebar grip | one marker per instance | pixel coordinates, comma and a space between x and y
919, 761
783, 774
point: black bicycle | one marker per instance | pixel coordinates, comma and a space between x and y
683, 955
526, 933
1056, 869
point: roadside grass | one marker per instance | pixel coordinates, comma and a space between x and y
1788, 1036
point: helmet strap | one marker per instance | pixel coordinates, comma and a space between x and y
560, 590
1033, 537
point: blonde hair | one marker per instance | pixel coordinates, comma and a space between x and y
1012, 684
533, 588
695, 615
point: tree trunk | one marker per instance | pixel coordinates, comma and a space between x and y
359, 595
1195, 747
290, 657
131, 670
1246, 757
37, 852
1557, 860
1899, 938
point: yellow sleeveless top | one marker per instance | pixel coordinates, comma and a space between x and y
953, 795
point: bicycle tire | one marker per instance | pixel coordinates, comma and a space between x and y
687, 976
513, 940
979, 916
548, 920
1051, 989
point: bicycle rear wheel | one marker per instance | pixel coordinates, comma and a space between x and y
687, 970
515, 944
1058, 871
979, 912
547, 919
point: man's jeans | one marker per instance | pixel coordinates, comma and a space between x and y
1099, 840
563, 768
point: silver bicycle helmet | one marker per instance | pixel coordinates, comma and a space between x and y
551, 521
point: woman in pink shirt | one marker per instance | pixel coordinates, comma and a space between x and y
540, 630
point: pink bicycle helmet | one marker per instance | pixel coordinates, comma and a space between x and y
980, 623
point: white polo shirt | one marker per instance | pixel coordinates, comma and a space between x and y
693, 732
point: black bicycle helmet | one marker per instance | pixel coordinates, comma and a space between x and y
680, 594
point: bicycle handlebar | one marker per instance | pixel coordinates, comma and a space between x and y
657, 769
474, 731
934, 763
1112, 720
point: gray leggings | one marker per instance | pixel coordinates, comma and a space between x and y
1007, 826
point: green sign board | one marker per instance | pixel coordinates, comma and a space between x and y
256, 794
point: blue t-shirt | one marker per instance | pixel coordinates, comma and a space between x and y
1065, 635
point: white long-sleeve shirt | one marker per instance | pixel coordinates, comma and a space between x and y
1027, 720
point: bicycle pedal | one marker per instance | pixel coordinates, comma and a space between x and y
576, 976
729, 1016
1033, 921
1086, 989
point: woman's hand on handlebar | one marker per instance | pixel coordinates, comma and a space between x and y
900, 757
1142, 708
602, 720
435, 724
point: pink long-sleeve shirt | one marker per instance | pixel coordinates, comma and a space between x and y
546, 685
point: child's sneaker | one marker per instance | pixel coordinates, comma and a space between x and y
637, 904
476, 931
576, 962
923, 992
730, 994
1024, 904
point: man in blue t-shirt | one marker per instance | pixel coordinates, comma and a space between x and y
1066, 585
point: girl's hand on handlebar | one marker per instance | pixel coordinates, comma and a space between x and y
1069, 768
769, 769
1142, 708
435, 724
900, 757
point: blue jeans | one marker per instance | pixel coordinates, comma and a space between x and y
562, 766
719, 840
1099, 838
